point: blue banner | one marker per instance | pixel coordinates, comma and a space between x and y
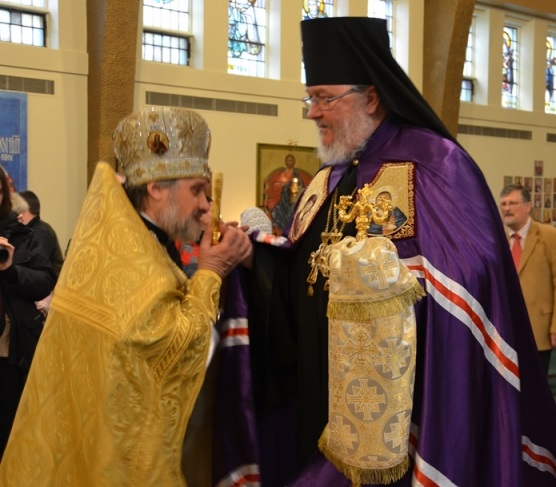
13, 137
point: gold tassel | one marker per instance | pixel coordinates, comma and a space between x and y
360, 476
368, 311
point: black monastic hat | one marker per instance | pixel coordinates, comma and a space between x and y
356, 51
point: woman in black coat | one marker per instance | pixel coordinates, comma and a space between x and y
26, 276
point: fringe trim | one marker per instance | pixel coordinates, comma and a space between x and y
368, 311
360, 476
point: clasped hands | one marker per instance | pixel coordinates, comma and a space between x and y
235, 248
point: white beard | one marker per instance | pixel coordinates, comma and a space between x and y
350, 136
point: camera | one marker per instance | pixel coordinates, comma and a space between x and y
4, 254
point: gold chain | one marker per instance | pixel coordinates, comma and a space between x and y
318, 260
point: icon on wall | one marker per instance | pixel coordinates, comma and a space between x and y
283, 172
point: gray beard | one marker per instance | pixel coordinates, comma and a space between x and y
188, 230
349, 138
337, 153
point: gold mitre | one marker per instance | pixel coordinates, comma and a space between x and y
160, 143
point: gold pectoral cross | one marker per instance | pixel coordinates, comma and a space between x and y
314, 260
331, 238
318, 260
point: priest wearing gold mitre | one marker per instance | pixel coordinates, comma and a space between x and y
123, 352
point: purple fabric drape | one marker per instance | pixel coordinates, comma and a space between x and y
483, 412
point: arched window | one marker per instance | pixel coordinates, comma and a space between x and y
247, 37
510, 65
24, 23
549, 95
166, 31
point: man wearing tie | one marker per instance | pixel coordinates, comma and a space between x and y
533, 248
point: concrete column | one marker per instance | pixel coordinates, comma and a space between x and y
447, 25
112, 44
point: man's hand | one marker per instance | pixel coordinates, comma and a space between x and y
234, 248
553, 340
10, 248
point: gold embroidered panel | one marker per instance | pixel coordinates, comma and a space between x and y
391, 194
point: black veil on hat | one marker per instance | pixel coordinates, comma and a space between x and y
356, 51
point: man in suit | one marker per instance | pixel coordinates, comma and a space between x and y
533, 247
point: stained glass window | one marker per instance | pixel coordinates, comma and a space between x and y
24, 26
166, 37
247, 37
549, 97
315, 9
510, 65
469, 66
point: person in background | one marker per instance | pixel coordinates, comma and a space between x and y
45, 233
21, 207
481, 410
533, 247
11, 184
26, 276
123, 356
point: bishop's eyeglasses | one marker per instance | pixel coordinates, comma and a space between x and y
324, 103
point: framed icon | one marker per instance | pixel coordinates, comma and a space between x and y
283, 172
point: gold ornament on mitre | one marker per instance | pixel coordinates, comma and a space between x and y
371, 354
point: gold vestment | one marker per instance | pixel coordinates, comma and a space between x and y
121, 359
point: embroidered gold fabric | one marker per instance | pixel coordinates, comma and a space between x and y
121, 359
163, 143
372, 346
392, 200
310, 202
383, 207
